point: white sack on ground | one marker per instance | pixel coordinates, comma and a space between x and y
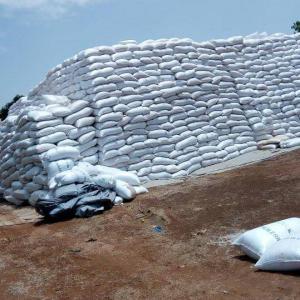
284, 255
255, 242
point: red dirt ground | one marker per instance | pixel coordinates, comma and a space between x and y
119, 255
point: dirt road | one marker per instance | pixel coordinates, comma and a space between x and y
172, 243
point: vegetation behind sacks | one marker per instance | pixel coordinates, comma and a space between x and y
296, 26
4, 110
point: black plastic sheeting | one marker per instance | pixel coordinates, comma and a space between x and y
90, 200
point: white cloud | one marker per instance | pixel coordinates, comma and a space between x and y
53, 7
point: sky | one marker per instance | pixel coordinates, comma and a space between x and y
36, 35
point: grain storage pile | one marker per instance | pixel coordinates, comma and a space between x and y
162, 109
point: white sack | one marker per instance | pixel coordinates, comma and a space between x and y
290, 143
59, 153
124, 190
283, 255
256, 241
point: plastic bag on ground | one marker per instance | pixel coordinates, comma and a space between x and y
90, 199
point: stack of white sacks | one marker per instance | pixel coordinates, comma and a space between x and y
49, 150
162, 109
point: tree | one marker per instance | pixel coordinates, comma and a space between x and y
296, 27
5, 109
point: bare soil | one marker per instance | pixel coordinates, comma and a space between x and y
172, 243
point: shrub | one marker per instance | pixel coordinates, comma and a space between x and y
5, 109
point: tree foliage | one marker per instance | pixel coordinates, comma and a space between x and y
5, 109
296, 27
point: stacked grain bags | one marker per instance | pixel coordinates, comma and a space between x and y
162, 109
44, 142
168, 107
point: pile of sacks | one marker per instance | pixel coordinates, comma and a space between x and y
275, 246
160, 109
49, 158
166, 108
